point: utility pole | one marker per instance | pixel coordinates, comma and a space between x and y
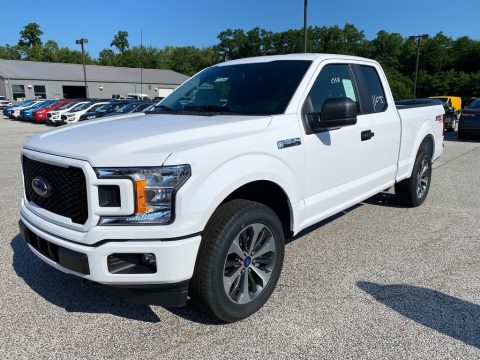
81, 42
305, 5
418, 38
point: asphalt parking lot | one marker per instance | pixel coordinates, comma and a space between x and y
378, 281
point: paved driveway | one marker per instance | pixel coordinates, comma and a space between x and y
379, 281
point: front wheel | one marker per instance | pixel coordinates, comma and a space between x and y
413, 191
239, 261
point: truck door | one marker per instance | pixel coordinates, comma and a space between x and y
338, 161
386, 125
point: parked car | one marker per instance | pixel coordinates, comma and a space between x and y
101, 111
137, 96
73, 115
27, 114
7, 112
132, 107
196, 200
15, 114
450, 118
469, 122
40, 115
4, 102
468, 101
54, 116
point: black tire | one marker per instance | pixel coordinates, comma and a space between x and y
230, 220
414, 190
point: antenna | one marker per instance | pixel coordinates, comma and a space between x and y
141, 61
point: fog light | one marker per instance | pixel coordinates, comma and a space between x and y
149, 259
125, 263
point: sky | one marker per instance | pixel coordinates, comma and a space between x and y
198, 22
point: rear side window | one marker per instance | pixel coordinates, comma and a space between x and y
334, 81
375, 95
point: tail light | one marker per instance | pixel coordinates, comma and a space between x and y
441, 119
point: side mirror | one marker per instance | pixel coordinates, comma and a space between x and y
336, 113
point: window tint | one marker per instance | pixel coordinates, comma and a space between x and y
334, 81
374, 90
264, 88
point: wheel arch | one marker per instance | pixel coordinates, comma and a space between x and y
428, 145
269, 194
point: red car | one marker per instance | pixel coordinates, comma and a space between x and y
40, 115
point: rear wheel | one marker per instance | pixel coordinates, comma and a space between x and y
413, 191
239, 261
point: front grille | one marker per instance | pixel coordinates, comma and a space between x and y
64, 117
68, 189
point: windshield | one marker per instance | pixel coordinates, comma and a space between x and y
47, 104
67, 106
104, 108
81, 107
127, 108
245, 89
25, 103
96, 107
474, 105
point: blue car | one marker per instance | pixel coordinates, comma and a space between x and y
27, 114
8, 110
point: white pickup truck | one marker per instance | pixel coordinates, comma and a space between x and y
195, 198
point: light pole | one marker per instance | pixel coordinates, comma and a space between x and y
418, 38
305, 5
81, 42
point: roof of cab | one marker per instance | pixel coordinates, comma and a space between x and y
302, 56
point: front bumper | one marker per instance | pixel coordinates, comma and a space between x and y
175, 258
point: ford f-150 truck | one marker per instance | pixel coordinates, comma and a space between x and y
196, 197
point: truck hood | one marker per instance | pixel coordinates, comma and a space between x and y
142, 140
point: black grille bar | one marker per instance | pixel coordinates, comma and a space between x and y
69, 259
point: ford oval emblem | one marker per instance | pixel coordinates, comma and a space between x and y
41, 186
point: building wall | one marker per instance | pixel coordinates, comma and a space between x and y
3, 90
96, 89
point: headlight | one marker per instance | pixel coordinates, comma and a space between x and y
154, 189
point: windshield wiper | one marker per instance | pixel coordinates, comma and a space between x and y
210, 108
161, 109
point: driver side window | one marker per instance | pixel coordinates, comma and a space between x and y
334, 81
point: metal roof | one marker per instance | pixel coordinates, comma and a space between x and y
34, 70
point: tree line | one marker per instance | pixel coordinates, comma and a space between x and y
447, 66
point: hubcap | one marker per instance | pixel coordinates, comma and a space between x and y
249, 263
422, 178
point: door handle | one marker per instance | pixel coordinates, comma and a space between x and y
367, 135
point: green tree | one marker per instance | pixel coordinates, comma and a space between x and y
30, 35
8, 52
120, 41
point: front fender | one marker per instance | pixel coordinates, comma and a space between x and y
204, 193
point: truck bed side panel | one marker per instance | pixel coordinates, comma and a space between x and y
417, 123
